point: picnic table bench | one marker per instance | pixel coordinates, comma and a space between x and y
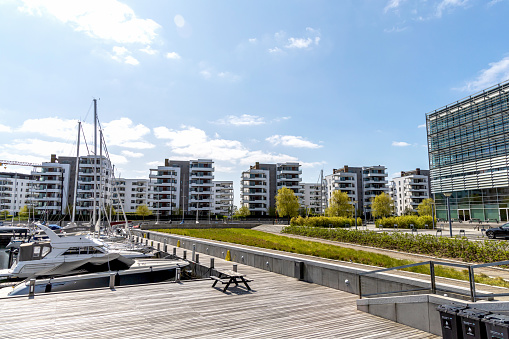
229, 277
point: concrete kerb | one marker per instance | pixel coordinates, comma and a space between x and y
334, 275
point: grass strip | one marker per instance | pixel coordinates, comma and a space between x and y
318, 249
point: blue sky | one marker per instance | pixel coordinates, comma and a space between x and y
326, 83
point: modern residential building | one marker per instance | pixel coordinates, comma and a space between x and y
223, 197
50, 188
259, 185
182, 187
14, 191
128, 194
468, 147
313, 199
409, 190
361, 184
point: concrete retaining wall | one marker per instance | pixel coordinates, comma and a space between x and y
330, 274
151, 226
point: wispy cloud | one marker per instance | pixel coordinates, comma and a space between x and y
243, 120
400, 144
173, 55
291, 141
493, 2
395, 29
132, 154
495, 73
446, 5
311, 38
393, 5
108, 20
422, 126
5, 129
149, 50
121, 54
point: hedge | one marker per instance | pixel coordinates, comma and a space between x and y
324, 221
443, 247
405, 221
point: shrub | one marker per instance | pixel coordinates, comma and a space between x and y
405, 221
325, 221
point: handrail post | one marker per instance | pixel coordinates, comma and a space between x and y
471, 277
359, 285
432, 274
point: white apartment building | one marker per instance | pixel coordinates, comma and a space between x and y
313, 199
182, 187
409, 190
50, 188
14, 192
201, 175
255, 189
223, 197
259, 185
360, 183
128, 194
164, 186
95, 176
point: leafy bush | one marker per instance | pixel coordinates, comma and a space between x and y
405, 221
455, 248
325, 221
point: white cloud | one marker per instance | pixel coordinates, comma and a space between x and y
422, 126
291, 141
395, 29
102, 19
122, 132
5, 129
299, 43
493, 2
243, 120
281, 119
132, 154
495, 73
253, 40
173, 55
118, 159
275, 50
149, 50
122, 54
448, 4
400, 144
262, 157
52, 127
313, 164
393, 5
206, 74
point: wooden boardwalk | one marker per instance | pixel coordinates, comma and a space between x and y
277, 307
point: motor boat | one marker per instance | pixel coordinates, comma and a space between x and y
39, 256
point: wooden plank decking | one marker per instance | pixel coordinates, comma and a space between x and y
277, 307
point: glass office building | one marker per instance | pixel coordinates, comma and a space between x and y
468, 145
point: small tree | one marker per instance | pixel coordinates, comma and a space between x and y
143, 210
23, 212
382, 205
4, 214
287, 204
339, 205
426, 207
408, 211
243, 212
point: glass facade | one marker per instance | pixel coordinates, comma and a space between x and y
468, 145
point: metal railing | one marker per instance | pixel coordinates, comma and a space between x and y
433, 287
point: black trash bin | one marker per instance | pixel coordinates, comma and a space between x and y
471, 323
451, 322
497, 326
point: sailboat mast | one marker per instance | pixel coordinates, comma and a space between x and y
95, 160
76, 176
101, 200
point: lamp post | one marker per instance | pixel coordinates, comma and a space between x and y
448, 195
355, 212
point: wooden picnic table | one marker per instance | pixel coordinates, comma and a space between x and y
229, 277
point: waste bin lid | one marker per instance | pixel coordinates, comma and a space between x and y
472, 313
450, 308
497, 319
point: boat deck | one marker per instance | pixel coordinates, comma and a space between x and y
277, 307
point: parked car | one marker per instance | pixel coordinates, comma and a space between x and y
498, 232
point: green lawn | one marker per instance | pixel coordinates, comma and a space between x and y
282, 243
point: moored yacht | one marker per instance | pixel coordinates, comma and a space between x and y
40, 256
